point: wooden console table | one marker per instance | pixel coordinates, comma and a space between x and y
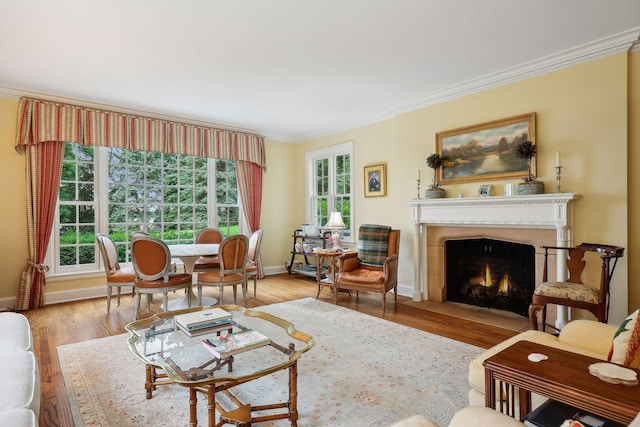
563, 377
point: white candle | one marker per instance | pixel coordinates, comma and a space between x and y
418, 174
557, 158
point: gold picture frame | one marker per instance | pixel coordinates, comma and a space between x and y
486, 151
375, 180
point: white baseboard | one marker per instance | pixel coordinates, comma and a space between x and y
101, 292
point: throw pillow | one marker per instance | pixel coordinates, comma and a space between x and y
626, 343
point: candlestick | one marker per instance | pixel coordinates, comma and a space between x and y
558, 170
418, 180
557, 158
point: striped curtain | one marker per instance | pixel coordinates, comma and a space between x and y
44, 167
250, 188
44, 127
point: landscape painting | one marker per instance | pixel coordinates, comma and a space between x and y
485, 151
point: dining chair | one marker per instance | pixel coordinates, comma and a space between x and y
233, 257
253, 256
208, 263
152, 265
117, 277
574, 292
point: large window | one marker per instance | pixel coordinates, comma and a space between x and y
329, 178
120, 192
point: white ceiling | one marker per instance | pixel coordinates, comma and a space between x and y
295, 69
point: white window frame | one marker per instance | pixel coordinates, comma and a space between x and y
101, 171
329, 153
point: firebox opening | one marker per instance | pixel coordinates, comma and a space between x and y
490, 273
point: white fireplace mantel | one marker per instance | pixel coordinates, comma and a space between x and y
543, 211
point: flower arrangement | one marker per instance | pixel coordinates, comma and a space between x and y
526, 150
434, 161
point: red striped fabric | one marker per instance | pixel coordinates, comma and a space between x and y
40, 120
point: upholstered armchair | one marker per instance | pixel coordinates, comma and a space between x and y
374, 268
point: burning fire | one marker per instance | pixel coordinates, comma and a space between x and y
503, 287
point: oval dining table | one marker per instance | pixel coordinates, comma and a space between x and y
189, 253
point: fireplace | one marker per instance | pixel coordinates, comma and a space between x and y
490, 273
533, 220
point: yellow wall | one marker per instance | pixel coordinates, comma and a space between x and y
581, 112
584, 111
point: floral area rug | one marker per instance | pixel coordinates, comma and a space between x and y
363, 371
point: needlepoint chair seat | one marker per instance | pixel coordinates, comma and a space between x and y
574, 292
374, 268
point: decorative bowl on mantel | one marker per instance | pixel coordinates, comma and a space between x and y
434, 193
530, 187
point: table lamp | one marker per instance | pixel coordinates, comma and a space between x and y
335, 224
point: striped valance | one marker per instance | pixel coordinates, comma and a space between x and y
40, 121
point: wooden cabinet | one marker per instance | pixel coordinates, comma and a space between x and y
303, 260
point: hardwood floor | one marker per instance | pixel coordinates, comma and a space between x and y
67, 323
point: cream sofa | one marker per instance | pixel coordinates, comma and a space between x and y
19, 373
472, 416
586, 337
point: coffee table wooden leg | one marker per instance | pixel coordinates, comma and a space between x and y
193, 407
293, 394
211, 404
148, 383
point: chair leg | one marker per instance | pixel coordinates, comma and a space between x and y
235, 294
255, 284
221, 289
200, 294
136, 311
149, 302
108, 298
118, 290
165, 300
384, 303
533, 315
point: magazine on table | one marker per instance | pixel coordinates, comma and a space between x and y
228, 345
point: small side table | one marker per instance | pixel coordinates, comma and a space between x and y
330, 280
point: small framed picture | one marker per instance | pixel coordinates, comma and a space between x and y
375, 180
484, 190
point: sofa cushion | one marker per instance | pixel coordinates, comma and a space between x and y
19, 387
625, 349
19, 418
16, 333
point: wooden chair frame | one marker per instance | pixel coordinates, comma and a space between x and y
576, 263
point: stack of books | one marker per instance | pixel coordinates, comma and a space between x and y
228, 345
204, 321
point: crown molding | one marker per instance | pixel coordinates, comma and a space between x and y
626, 41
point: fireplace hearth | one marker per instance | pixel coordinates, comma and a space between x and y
490, 273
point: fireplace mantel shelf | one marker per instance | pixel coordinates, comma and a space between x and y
533, 211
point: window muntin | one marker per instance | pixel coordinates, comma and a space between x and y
329, 177
124, 191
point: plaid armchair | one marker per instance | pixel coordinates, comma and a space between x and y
374, 268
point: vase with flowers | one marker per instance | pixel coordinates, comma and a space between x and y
435, 191
526, 150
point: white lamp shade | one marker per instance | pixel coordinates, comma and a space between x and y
335, 222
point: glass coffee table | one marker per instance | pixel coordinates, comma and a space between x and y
172, 357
